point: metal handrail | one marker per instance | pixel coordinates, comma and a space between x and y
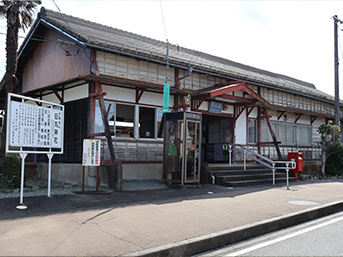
266, 162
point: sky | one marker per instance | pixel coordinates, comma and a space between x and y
293, 38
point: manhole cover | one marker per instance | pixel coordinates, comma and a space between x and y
303, 202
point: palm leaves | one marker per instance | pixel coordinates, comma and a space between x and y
25, 10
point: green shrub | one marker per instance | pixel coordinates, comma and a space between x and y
334, 162
12, 173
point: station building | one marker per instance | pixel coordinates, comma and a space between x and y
76, 62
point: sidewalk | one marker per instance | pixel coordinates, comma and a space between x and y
162, 222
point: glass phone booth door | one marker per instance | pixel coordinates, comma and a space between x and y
182, 142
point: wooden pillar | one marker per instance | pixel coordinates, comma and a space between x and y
91, 110
272, 134
259, 126
105, 122
178, 86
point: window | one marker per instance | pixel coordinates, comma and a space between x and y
146, 122
125, 120
159, 114
122, 123
252, 131
120, 119
291, 136
304, 135
98, 124
288, 133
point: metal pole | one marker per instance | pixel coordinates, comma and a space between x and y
21, 205
245, 160
83, 178
97, 178
50, 155
167, 61
273, 174
230, 153
287, 174
337, 109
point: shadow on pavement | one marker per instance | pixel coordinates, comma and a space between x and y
42, 205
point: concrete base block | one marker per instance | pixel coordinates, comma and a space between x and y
64, 172
142, 171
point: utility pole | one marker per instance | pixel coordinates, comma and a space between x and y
337, 108
166, 87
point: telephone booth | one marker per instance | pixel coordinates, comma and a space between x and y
181, 152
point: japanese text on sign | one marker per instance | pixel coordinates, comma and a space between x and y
91, 152
35, 126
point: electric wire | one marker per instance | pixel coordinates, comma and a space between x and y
163, 20
59, 10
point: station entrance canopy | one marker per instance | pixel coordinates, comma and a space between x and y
221, 92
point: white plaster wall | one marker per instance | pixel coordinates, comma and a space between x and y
51, 98
239, 93
290, 117
204, 106
76, 93
304, 120
240, 130
155, 99
253, 113
229, 110
120, 94
273, 113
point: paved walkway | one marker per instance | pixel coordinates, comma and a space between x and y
124, 223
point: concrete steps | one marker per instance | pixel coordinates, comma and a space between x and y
235, 176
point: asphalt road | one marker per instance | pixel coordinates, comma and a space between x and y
322, 237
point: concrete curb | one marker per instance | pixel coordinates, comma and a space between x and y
219, 239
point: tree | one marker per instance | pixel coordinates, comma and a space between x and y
329, 139
19, 15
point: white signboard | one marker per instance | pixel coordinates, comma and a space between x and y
91, 152
35, 126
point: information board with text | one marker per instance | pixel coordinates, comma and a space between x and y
35, 126
91, 152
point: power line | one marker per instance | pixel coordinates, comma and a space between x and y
164, 23
62, 17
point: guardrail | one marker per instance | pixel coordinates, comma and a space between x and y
273, 165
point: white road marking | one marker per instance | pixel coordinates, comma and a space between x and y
255, 247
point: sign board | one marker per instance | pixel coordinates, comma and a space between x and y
166, 93
34, 124
215, 107
91, 152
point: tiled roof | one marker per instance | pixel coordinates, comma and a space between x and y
105, 36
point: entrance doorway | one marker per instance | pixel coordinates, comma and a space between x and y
216, 131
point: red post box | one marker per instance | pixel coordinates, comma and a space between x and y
296, 157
